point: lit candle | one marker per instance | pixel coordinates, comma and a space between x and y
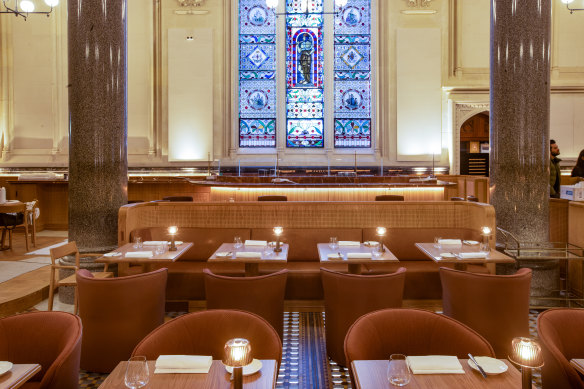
172, 230
381, 232
278, 231
486, 231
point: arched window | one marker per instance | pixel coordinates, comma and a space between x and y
310, 28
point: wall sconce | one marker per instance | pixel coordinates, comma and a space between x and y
568, 2
172, 230
25, 7
237, 353
380, 231
526, 353
278, 231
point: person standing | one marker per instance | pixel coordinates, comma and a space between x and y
555, 173
578, 170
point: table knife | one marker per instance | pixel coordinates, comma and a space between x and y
477, 365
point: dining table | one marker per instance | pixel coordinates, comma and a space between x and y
147, 262
217, 378
18, 375
340, 254
372, 374
436, 253
228, 252
578, 364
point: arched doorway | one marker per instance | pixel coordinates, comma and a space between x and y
474, 145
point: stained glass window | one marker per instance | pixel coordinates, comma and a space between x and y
303, 81
353, 74
257, 74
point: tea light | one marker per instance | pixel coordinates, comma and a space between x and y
172, 230
278, 231
381, 233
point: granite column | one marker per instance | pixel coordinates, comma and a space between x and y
98, 164
519, 121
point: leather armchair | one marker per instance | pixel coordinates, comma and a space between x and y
262, 295
117, 313
379, 334
205, 333
562, 338
51, 339
349, 296
495, 306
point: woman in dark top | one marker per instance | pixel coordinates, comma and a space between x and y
578, 170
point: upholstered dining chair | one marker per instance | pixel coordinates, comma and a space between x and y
562, 339
349, 296
117, 313
272, 198
389, 198
51, 339
495, 306
377, 335
262, 295
205, 333
178, 198
63, 251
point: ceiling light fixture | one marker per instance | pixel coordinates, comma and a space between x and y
25, 7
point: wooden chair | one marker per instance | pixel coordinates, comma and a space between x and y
32, 208
60, 252
13, 215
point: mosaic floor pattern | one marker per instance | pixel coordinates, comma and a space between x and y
305, 364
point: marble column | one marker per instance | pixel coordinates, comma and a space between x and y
98, 165
519, 121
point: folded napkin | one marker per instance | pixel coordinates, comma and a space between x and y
435, 364
475, 254
159, 242
223, 254
358, 255
334, 256
256, 243
183, 364
450, 242
349, 243
114, 254
139, 254
248, 254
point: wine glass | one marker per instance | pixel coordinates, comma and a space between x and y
333, 243
138, 242
237, 242
398, 372
137, 374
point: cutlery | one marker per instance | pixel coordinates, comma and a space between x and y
340, 255
477, 365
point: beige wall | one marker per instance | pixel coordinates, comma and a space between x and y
33, 89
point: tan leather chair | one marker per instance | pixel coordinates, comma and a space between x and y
62, 251
389, 198
349, 296
272, 198
379, 334
51, 339
561, 337
117, 313
262, 295
205, 333
495, 306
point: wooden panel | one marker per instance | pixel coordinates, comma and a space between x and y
576, 237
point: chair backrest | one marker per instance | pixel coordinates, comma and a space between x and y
51, 339
562, 339
495, 306
64, 250
389, 198
348, 297
377, 335
205, 333
178, 198
262, 295
272, 198
117, 313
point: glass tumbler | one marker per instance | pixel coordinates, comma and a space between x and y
333, 243
137, 374
398, 372
237, 242
138, 243
437, 242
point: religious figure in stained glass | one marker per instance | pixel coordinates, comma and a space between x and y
305, 61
